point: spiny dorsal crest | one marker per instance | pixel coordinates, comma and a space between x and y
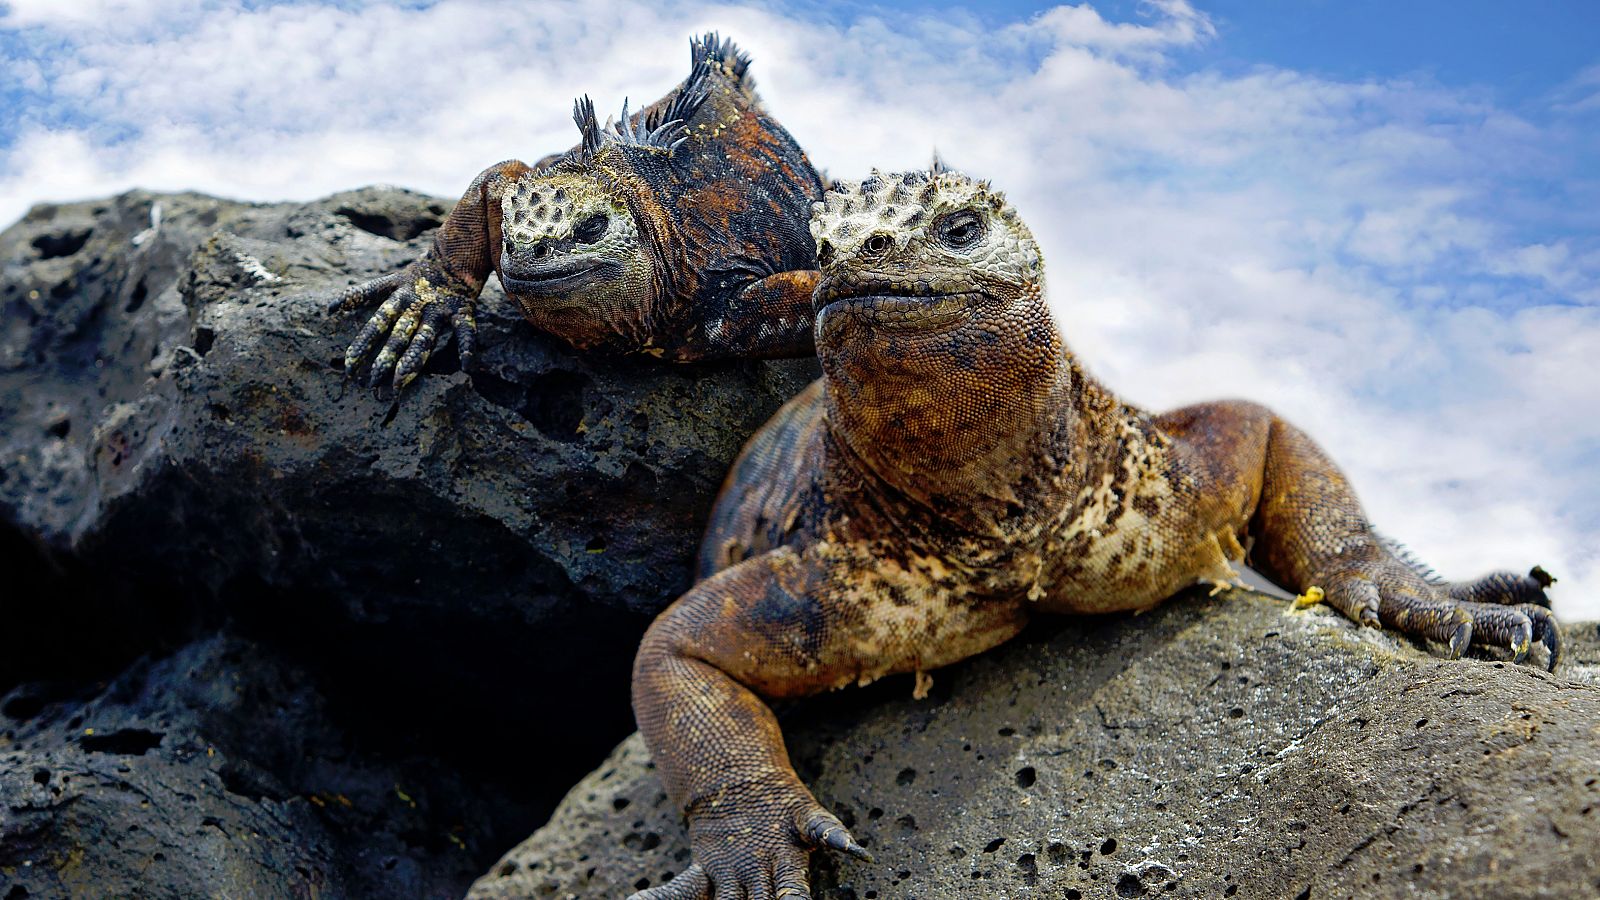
898, 205
588, 128
711, 49
661, 131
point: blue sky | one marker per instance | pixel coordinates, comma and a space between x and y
1383, 219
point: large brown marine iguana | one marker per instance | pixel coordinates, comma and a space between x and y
679, 232
954, 471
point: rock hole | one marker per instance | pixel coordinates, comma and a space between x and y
1030, 869
1236, 713
61, 428
551, 402
1074, 894
1421, 722
1026, 777
1230, 890
874, 814
641, 884
1007, 731
907, 823
642, 842
23, 708
595, 545
1303, 895
203, 339
403, 229
41, 776
55, 246
124, 742
906, 776
620, 803
1109, 847
140, 292
993, 845
1129, 885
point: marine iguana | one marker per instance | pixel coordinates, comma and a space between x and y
953, 472
678, 232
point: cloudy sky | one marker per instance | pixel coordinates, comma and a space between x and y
1382, 219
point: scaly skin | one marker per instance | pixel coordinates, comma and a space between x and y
679, 232
954, 472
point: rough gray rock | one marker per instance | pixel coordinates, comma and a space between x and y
219, 772
145, 391
179, 452
1210, 748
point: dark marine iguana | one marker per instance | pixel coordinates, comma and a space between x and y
679, 232
955, 471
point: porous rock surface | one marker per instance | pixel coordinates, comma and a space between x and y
1210, 748
221, 771
180, 456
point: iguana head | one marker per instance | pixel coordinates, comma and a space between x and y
581, 238
573, 255
931, 317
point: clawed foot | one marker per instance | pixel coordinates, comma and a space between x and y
757, 855
1503, 610
419, 307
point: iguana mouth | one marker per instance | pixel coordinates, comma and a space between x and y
911, 306
559, 277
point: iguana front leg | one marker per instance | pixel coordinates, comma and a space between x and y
772, 319
437, 291
1311, 536
784, 624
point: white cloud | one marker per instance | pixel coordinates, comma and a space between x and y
1352, 254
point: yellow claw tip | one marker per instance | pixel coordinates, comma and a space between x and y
1311, 597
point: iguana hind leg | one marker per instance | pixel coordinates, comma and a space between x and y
1309, 531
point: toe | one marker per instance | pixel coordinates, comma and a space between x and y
791, 881
823, 829
1357, 598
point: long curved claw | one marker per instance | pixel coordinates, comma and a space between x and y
690, 884
1546, 631
367, 291
434, 316
823, 829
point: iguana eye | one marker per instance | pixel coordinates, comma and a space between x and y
959, 230
878, 243
591, 229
